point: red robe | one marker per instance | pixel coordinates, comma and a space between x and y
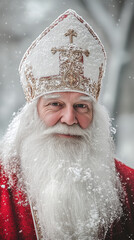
16, 221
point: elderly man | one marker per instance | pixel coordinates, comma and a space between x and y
59, 179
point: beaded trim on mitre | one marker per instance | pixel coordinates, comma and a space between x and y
71, 66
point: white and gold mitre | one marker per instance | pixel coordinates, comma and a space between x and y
67, 56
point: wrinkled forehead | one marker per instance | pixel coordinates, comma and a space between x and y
64, 95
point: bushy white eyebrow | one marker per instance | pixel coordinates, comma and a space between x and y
55, 96
85, 98
51, 96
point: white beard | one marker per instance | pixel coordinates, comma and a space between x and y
72, 181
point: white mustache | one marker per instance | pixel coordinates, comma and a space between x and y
65, 129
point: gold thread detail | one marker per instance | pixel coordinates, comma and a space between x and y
61, 83
71, 73
71, 33
101, 71
37, 222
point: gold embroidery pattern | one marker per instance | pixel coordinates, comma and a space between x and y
30, 90
71, 73
56, 83
37, 223
71, 61
101, 71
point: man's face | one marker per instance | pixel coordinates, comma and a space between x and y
67, 108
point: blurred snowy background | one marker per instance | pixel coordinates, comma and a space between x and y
113, 20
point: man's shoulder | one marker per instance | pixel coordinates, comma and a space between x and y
123, 169
126, 174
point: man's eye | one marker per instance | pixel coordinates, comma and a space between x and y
81, 105
81, 108
56, 104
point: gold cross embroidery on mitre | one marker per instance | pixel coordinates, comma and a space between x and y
71, 61
71, 33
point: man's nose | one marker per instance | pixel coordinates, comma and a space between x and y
69, 116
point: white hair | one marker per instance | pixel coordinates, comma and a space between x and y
73, 182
